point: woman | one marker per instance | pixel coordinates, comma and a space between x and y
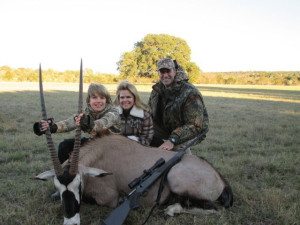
136, 121
99, 116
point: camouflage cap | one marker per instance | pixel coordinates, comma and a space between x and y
165, 63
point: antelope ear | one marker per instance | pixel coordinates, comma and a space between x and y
45, 175
93, 172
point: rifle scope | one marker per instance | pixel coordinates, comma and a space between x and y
146, 173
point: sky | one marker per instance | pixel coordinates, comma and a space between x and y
224, 35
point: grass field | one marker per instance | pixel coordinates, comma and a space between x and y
254, 141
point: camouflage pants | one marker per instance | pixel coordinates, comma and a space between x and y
66, 147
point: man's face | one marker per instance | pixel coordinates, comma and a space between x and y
167, 76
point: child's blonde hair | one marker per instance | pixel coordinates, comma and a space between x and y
98, 89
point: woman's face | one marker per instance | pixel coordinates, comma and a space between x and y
126, 99
97, 102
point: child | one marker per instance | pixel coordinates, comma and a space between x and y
99, 115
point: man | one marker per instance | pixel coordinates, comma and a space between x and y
178, 110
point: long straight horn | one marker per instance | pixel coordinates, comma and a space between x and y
57, 166
75, 154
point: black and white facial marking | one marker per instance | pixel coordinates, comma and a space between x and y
69, 188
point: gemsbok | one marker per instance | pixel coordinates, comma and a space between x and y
192, 178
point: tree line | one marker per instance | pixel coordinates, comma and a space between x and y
139, 66
251, 77
241, 78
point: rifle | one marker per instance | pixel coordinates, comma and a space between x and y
142, 184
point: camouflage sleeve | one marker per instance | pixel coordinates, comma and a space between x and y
153, 96
193, 111
147, 129
111, 118
66, 125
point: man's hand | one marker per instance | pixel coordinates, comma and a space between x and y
167, 145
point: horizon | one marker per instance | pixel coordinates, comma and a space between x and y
248, 71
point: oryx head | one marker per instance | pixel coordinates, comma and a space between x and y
67, 180
70, 188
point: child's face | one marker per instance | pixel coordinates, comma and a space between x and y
97, 102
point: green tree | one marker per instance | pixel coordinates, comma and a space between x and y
128, 65
141, 61
194, 72
6, 73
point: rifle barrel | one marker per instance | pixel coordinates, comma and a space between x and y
146, 173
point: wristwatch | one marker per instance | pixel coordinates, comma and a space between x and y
172, 140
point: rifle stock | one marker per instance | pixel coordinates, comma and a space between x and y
118, 215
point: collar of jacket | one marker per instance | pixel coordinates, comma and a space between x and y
92, 112
135, 111
161, 89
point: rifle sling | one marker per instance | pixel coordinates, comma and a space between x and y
160, 190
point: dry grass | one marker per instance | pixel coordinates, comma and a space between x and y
253, 140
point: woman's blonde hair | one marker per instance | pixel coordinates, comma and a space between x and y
125, 85
98, 89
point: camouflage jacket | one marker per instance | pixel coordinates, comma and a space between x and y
178, 112
137, 125
109, 118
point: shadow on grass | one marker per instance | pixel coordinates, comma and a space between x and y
288, 94
26, 104
252, 142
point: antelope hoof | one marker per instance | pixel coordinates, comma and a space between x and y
172, 209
